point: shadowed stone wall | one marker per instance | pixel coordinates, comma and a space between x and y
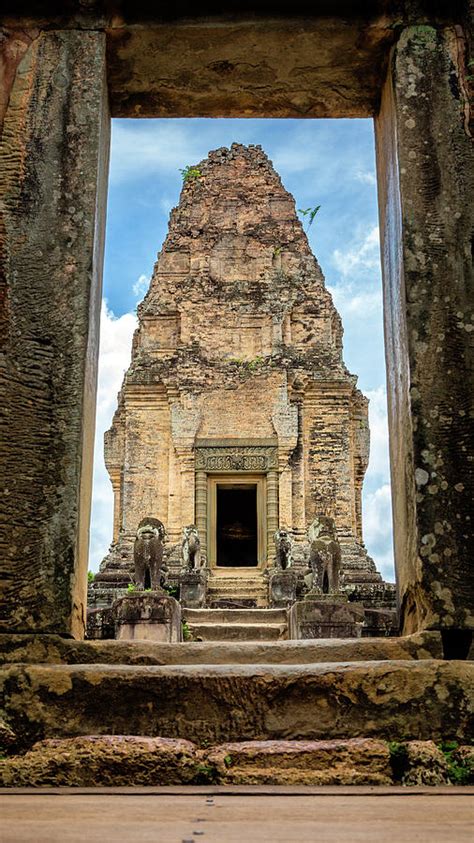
53, 166
426, 185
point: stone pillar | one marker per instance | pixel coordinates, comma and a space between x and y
285, 491
175, 524
272, 514
426, 183
201, 510
186, 464
116, 480
53, 173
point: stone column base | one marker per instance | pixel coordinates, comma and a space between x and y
324, 618
193, 588
147, 616
282, 589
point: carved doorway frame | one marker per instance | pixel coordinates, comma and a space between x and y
219, 459
241, 479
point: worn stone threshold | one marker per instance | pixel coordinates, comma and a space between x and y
210, 704
52, 649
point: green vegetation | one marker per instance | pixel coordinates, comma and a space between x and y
90, 576
247, 365
458, 772
172, 591
205, 774
187, 634
131, 587
228, 761
189, 173
310, 213
398, 759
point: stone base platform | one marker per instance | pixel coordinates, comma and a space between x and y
209, 704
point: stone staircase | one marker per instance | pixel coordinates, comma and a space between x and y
237, 624
237, 592
229, 711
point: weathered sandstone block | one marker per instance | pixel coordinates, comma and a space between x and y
394, 700
53, 169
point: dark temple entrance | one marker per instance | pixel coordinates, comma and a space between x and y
236, 526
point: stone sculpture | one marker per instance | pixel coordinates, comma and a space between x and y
148, 554
325, 556
191, 548
283, 547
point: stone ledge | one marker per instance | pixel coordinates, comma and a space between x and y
395, 700
118, 760
52, 649
357, 761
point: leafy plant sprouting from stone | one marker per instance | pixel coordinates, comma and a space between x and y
247, 365
187, 634
459, 773
310, 213
189, 173
90, 576
131, 587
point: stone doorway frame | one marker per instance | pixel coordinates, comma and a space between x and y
64, 76
260, 482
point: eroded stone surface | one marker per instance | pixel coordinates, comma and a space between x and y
53, 152
393, 700
105, 760
114, 760
425, 764
426, 174
355, 761
52, 649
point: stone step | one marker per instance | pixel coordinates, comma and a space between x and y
221, 631
240, 616
250, 592
209, 704
52, 649
130, 760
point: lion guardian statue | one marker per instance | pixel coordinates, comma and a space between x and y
148, 554
283, 547
325, 555
191, 548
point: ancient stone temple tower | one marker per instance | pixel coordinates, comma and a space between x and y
237, 413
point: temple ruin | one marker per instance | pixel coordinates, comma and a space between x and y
303, 712
237, 413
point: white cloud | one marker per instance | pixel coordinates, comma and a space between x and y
362, 255
351, 300
376, 504
379, 465
114, 358
378, 529
366, 177
141, 286
141, 149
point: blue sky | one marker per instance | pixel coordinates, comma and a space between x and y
321, 162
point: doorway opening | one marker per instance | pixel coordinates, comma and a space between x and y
236, 526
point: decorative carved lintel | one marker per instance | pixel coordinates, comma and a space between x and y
237, 458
